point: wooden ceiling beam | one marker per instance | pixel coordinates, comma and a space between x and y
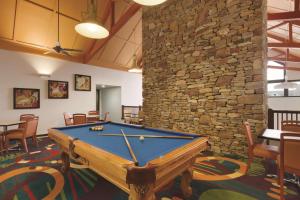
13, 45
296, 5
276, 37
286, 56
131, 11
290, 59
277, 25
295, 15
285, 45
286, 68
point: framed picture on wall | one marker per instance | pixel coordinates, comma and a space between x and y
26, 98
83, 82
58, 89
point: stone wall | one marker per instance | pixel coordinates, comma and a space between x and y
204, 68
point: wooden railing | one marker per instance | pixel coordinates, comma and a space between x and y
130, 110
275, 117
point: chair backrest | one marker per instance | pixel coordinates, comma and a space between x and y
248, 133
94, 112
31, 127
289, 152
293, 126
106, 116
68, 119
79, 119
25, 117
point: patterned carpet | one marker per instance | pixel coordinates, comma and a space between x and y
37, 176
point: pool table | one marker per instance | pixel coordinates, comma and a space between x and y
160, 159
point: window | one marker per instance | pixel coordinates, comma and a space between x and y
275, 74
294, 92
272, 92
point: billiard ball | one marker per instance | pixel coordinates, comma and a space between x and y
142, 138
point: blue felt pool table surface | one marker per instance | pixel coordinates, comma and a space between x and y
145, 151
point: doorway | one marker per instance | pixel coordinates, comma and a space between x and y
109, 100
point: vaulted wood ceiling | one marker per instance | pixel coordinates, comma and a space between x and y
31, 26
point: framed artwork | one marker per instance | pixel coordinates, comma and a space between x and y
58, 89
26, 98
83, 82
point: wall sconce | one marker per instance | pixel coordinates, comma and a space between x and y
45, 76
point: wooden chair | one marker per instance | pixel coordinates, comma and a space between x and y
68, 119
25, 117
1, 143
288, 160
127, 118
79, 119
105, 119
95, 118
258, 150
293, 126
22, 134
93, 112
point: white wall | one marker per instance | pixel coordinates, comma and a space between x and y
21, 70
284, 103
111, 102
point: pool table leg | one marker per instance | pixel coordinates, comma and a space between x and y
141, 192
65, 162
187, 177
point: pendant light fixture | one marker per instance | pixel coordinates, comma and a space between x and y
135, 68
149, 2
90, 27
286, 84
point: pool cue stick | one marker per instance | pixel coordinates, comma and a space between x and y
152, 136
130, 149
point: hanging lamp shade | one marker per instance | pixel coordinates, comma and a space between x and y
135, 68
286, 85
90, 27
149, 2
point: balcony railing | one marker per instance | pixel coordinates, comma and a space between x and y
275, 117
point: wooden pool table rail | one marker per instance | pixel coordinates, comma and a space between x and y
140, 182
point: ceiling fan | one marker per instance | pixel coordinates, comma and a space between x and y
57, 48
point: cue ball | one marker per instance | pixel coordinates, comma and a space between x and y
142, 138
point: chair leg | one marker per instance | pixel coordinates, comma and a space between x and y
35, 141
250, 160
24, 143
1, 147
281, 176
6, 145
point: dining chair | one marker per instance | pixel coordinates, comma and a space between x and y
25, 117
287, 160
68, 119
29, 131
95, 118
79, 119
93, 112
1, 143
258, 150
288, 125
105, 119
